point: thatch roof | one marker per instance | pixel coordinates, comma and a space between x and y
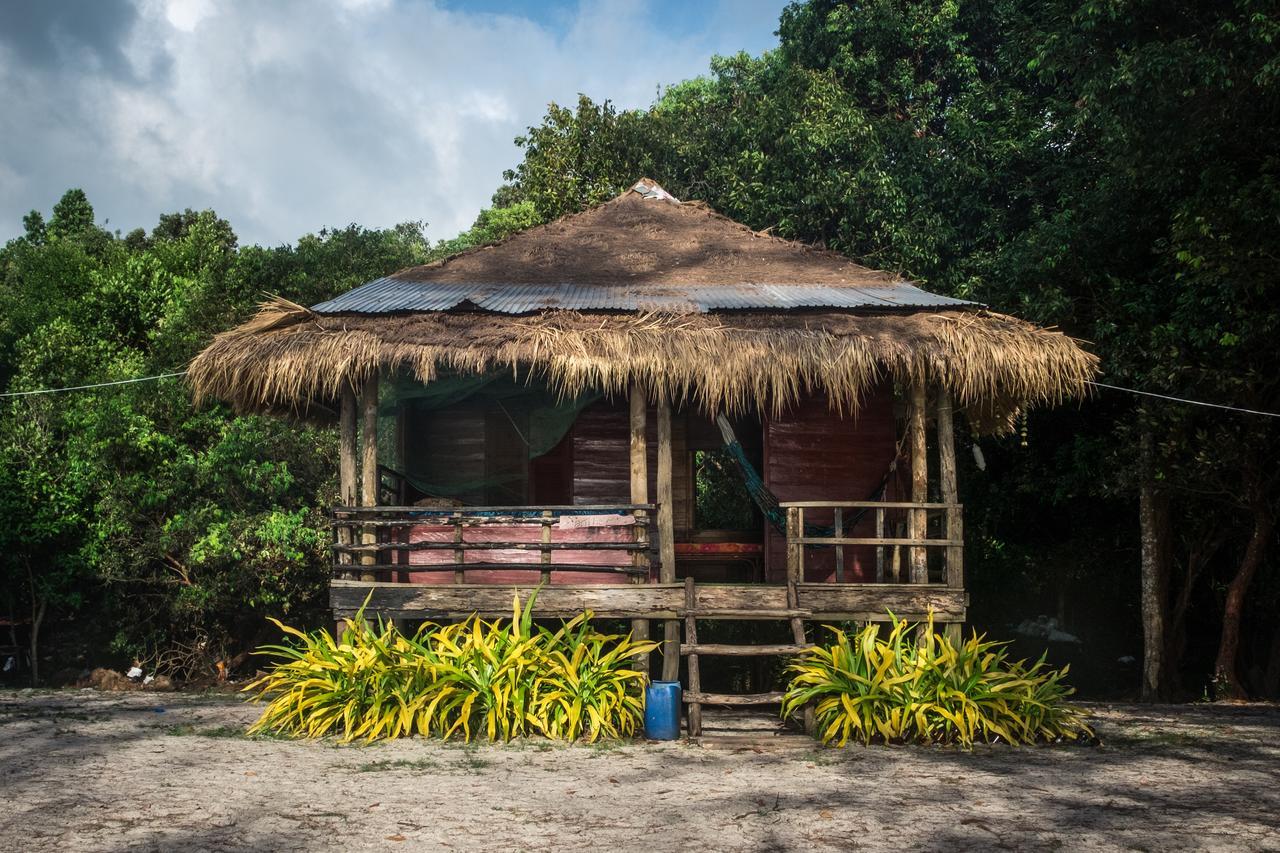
290, 357
646, 237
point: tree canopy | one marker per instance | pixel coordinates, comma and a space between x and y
1109, 168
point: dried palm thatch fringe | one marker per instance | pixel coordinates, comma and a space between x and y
290, 358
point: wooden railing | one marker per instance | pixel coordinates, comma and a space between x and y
377, 543
904, 535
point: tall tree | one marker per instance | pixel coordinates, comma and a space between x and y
181, 528
1107, 168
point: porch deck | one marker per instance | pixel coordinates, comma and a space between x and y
818, 601
447, 563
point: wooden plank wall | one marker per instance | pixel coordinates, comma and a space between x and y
448, 448
601, 460
810, 454
464, 444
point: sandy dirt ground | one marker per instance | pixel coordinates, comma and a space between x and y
82, 770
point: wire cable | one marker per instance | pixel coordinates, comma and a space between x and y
96, 385
1095, 384
1185, 400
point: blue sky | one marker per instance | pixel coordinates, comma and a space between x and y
291, 115
744, 24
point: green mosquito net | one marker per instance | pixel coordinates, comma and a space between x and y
490, 439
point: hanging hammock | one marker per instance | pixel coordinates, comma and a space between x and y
768, 501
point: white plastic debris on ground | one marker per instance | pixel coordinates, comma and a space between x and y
1045, 627
135, 672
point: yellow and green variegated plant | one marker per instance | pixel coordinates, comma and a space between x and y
324, 685
917, 685
474, 672
587, 685
498, 679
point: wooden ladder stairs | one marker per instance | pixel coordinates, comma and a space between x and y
691, 649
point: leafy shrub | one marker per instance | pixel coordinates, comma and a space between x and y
585, 684
504, 678
325, 685
472, 671
916, 685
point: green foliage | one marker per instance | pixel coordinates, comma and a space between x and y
493, 224
1108, 168
916, 685
33, 227
500, 679
577, 158
585, 684
721, 500
179, 528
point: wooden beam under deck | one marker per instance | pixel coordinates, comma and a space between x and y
347, 469
640, 495
369, 462
667, 537
829, 602
917, 519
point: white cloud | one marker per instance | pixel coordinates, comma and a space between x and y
290, 116
186, 15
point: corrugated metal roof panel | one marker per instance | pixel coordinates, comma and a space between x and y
389, 295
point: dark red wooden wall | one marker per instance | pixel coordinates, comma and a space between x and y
810, 454
601, 459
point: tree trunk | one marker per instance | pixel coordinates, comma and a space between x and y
1271, 679
1198, 557
37, 617
1226, 678
1153, 512
38, 606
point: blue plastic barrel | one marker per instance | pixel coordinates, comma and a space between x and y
662, 710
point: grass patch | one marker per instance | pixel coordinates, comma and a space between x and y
13, 715
473, 761
1152, 738
398, 764
602, 748
224, 731
826, 757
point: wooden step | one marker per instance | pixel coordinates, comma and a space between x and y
742, 651
747, 614
734, 698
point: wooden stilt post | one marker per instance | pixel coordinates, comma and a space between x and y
666, 537
694, 715
951, 497
795, 551
799, 638
369, 464
880, 569
839, 532
640, 495
917, 518
347, 495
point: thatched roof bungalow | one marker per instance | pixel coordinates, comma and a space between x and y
646, 290
772, 398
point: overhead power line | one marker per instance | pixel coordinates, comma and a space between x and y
1095, 384
95, 385
1185, 400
